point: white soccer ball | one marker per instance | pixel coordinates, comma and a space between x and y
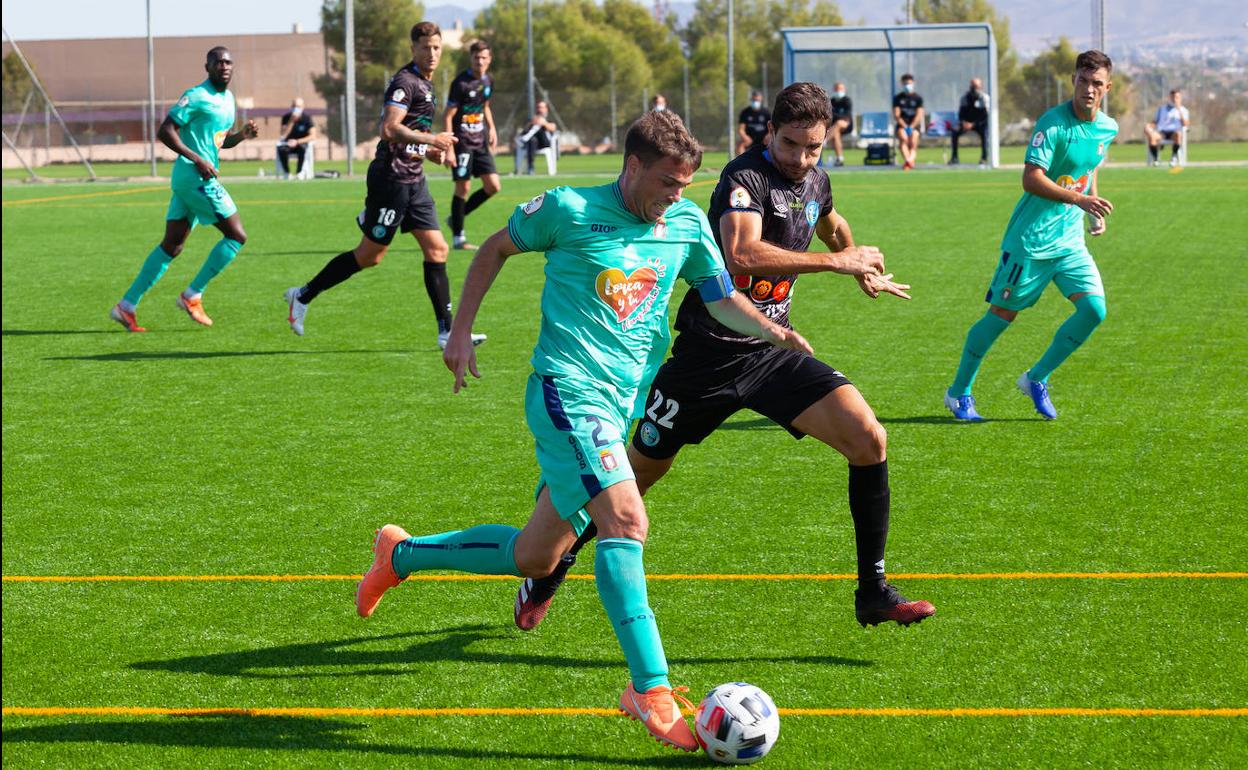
737, 724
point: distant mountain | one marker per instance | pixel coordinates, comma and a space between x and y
445, 16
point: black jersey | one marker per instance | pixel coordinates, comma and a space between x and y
974, 107
755, 123
302, 125
842, 109
411, 90
909, 105
469, 95
751, 183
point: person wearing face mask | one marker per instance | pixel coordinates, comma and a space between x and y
658, 103
842, 120
908, 114
1167, 126
972, 116
297, 131
752, 123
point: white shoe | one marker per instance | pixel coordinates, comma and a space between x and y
477, 339
297, 309
1174, 161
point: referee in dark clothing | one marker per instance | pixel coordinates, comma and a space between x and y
297, 131
972, 116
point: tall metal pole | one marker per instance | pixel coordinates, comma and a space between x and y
614, 123
528, 36
151, 91
688, 115
764, 88
350, 53
731, 78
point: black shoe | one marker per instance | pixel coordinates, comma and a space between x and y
534, 597
953, 161
874, 606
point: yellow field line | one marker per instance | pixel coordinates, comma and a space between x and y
80, 196
659, 577
141, 711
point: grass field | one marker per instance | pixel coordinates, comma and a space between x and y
1095, 565
1205, 152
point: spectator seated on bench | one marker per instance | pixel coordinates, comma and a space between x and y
297, 138
539, 136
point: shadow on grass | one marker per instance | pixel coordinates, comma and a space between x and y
44, 332
946, 419
295, 734
297, 661
175, 355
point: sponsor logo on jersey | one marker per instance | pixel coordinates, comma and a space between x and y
1038, 139
649, 433
812, 212
625, 293
739, 198
781, 291
596, 228
534, 204
761, 290
219, 138
1070, 183
398, 95
742, 282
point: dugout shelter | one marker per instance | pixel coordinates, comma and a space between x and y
871, 60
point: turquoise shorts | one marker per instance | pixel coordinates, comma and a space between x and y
579, 437
1020, 280
200, 201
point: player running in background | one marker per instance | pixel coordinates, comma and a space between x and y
1044, 239
468, 117
768, 206
196, 126
613, 254
398, 198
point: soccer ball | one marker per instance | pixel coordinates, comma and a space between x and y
737, 724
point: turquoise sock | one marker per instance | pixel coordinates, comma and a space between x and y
488, 549
983, 333
220, 256
622, 588
153, 268
1089, 312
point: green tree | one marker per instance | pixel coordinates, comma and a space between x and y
954, 11
382, 45
17, 83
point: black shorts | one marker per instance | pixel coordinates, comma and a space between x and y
392, 207
694, 393
1169, 135
473, 163
848, 130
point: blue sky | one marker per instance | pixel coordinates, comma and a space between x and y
55, 19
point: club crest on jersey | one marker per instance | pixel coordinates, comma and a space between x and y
398, 95
1038, 139
486, 92
812, 213
185, 100
472, 94
607, 458
534, 204
739, 198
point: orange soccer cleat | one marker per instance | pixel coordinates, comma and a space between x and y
125, 318
658, 710
381, 576
195, 309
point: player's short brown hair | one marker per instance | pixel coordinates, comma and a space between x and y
477, 47
802, 104
425, 29
658, 135
1093, 60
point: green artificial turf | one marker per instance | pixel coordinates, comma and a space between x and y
242, 449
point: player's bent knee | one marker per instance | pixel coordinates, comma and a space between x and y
536, 565
870, 445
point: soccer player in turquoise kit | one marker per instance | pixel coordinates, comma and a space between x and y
1044, 240
196, 126
613, 254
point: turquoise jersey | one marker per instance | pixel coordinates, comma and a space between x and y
204, 117
1069, 150
609, 276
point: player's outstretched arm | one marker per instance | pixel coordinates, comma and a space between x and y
738, 313
835, 232
1036, 183
460, 356
746, 253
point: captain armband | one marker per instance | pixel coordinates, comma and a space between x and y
717, 288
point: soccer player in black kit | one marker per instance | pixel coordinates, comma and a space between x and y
752, 123
398, 197
768, 206
468, 116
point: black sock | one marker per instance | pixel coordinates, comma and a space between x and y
475, 200
590, 533
457, 215
1174, 151
868, 504
336, 270
1153, 152
439, 288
